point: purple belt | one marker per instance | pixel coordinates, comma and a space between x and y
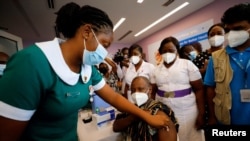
178, 93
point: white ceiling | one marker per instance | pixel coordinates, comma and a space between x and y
34, 21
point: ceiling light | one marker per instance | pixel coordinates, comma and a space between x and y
162, 18
140, 1
119, 23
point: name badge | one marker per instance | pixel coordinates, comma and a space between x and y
245, 95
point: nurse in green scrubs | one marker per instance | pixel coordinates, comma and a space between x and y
45, 84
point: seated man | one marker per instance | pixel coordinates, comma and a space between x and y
134, 129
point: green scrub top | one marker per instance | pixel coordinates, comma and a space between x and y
30, 83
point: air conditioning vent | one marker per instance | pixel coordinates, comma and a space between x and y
167, 3
126, 34
51, 4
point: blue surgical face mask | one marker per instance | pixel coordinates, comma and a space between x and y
192, 55
2, 67
94, 57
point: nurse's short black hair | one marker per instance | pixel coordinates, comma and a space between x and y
71, 16
167, 40
133, 47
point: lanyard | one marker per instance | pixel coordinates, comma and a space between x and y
242, 68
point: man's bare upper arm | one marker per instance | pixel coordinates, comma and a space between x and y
169, 133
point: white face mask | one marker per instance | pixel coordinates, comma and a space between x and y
169, 57
139, 98
2, 67
216, 40
236, 38
135, 59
